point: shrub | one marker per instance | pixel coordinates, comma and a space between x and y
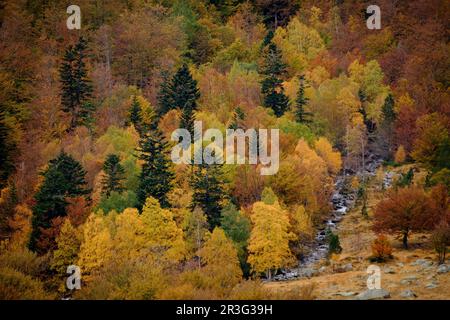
441, 240
334, 245
15, 285
381, 249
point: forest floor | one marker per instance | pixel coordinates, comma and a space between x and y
411, 274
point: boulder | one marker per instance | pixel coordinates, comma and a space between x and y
409, 280
431, 285
408, 294
388, 270
443, 269
373, 294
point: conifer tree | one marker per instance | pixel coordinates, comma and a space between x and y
388, 111
187, 119
183, 89
238, 117
301, 115
180, 92
135, 114
156, 176
267, 39
271, 87
208, 194
164, 97
63, 179
114, 175
75, 85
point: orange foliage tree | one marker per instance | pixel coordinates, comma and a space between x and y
404, 211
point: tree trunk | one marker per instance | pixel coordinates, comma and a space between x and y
405, 240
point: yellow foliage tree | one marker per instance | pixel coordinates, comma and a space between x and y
221, 261
400, 155
332, 158
162, 231
130, 239
20, 225
68, 244
299, 44
269, 239
303, 179
301, 223
96, 248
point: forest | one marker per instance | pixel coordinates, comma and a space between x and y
86, 123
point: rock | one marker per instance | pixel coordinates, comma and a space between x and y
348, 267
408, 294
431, 285
423, 263
431, 277
373, 294
408, 280
388, 270
309, 272
344, 268
345, 294
401, 265
418, 262
443, 269
322, 269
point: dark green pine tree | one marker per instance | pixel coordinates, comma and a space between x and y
63, 179
267, 39
187, 119
388, 110
385, 131
156, 177
164, 99
114, 175
238, 117
75, 86
207, 183
6, 151
135, 114
183, 90
301, 115
271, 87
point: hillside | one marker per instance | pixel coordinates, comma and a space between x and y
207, 149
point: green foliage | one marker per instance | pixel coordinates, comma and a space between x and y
235, 224
298, 130
207, 183
237, 227
156, 177
272, 85
334, 245
388, 112
301, 115
181, 92
76, 86
135, 113
113, 175
406, 179
63, 179
118, 201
